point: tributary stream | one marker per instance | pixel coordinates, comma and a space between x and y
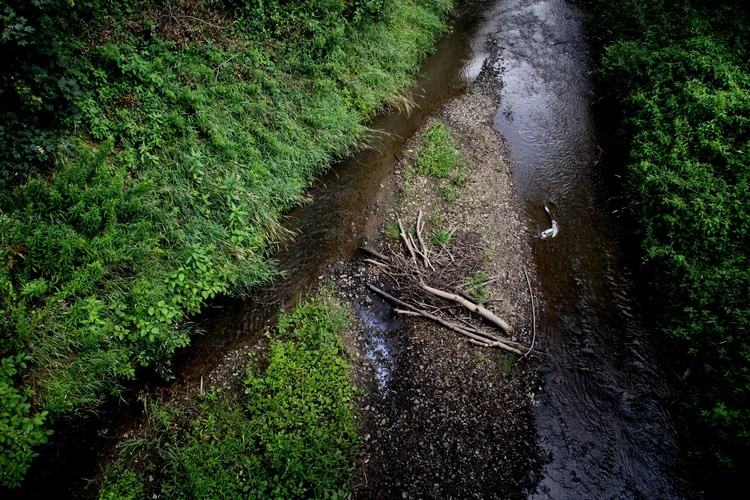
600, 418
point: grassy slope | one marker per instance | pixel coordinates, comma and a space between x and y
680, 74
191, 141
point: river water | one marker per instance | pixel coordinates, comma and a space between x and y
601, 417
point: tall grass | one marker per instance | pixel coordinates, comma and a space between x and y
166, 191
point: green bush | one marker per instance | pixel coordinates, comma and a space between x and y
291, 435
680, 73
20, 431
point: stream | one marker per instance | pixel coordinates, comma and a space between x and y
601, 420
601, 417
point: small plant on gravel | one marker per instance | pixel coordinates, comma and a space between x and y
476, 286
441, 237
505, 362
450, 193
392, 230
439, 157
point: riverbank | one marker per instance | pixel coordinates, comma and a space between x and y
192, 128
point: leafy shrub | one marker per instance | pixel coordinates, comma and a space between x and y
20, 431
681, 72
291, 435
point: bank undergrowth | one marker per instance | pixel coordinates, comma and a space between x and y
292, 434
678, 73
147, 151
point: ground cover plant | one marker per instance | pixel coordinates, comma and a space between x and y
147, 151
291, 435
679, 74
439, 157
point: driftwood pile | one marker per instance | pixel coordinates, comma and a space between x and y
431, 283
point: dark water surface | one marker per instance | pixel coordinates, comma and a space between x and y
601, 419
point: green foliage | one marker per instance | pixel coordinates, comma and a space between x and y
441, 237
168, 152
291, 435
39, 81
20, 431
440, 157
680, 70
476, 286
392, 230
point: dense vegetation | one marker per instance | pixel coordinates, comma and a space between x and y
147, 149
291, 435
680, 73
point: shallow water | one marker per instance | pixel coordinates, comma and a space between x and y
602, 417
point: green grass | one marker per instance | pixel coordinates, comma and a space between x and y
441, 237
167, 188
439, 157
476, 286
291, 435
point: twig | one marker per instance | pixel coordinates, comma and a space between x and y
218, 68
376, 254
533, 315
406, 241
425, 252
377, 263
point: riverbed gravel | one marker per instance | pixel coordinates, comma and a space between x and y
443, 418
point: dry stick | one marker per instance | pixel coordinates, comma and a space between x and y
471, 328
425, 260
533, 315
406, 241
482, 311
377, 263
477, 339
420, 226
376, 254
407, 313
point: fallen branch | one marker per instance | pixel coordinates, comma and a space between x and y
533, 314
376, 254
482, 311
406, 241
488, 340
